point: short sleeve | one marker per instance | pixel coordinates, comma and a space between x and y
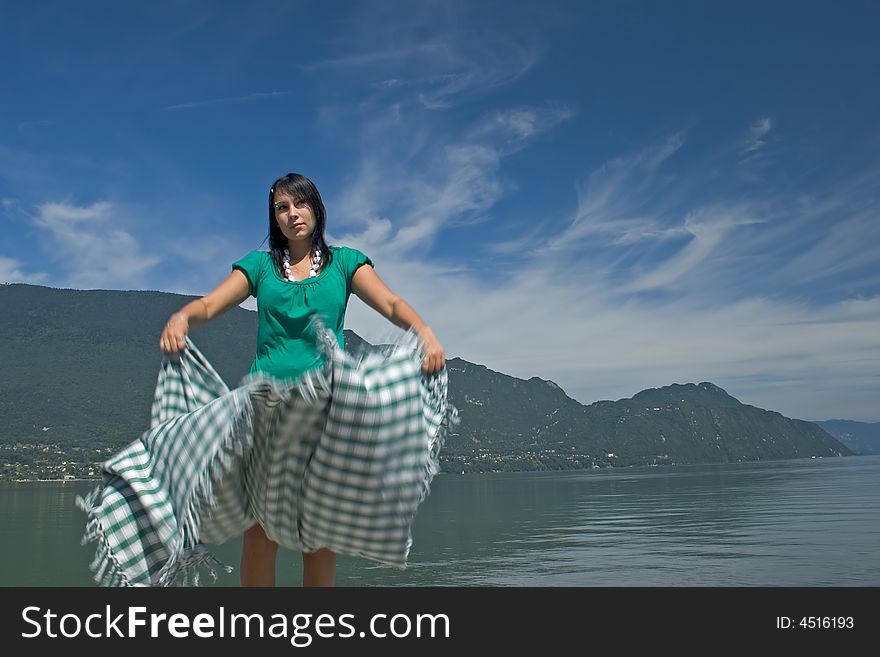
351, 260
252, 267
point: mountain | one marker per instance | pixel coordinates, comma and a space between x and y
79, 367
860, 437
507, 422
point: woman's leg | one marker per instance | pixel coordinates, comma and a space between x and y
258, 558
319, 568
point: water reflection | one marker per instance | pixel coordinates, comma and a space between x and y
799, 523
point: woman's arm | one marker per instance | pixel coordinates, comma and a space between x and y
367, 285
229, 293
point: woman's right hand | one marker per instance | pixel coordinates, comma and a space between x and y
174, 335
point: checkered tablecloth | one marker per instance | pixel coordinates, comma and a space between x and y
339, 459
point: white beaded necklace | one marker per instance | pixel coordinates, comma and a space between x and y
316, 264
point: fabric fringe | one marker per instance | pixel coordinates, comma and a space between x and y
105, 570
189, 556
187, 569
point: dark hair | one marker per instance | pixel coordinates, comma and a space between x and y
300, 189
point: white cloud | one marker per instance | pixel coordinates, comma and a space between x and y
92, 244
50, 213
11, 272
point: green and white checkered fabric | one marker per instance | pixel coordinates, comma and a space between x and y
339, 459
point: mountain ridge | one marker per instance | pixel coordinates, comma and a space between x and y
80, 366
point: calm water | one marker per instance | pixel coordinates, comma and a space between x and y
813, 522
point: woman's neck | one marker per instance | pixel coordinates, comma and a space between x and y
298, 250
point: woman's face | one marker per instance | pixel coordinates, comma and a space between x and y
296, 220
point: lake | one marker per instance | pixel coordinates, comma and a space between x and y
805, 522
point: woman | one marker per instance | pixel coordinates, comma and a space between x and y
300, 276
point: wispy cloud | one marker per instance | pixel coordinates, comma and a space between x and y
467, 183
27, 172
755, 139
611, 203
511, 129
448, 191
198, 104
35, 128
423, 53
371, 58
707, 229
847, 238
637, 227
479, 67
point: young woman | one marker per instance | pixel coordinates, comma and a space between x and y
299, 276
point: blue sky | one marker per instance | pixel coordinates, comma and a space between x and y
610, 195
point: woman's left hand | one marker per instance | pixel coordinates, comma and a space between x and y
435, 357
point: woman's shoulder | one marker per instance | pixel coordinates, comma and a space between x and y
253, 260
349, 258
257, 255
345, 251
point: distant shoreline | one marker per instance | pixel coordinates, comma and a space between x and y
57, 481
597, 471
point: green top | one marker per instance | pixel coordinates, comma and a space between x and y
284, 309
